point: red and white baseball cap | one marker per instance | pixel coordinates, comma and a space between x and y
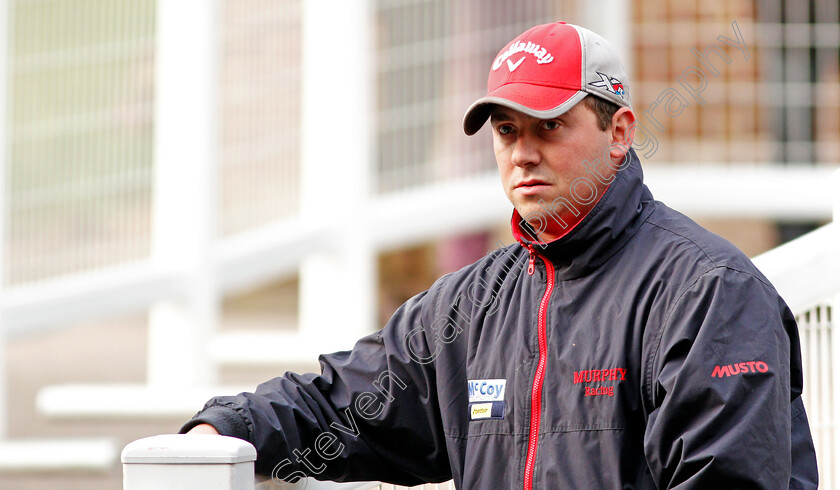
548, 69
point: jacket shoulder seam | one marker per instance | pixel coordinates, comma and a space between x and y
713, 261
693, 242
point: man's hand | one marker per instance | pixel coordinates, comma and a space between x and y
203, 429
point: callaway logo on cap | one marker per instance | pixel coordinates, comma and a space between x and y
548, 69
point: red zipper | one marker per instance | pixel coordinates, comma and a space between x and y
536, 390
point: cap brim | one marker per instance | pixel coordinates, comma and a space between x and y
534, 100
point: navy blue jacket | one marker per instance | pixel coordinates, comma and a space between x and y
637, 351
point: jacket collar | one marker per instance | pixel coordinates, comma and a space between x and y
607, 227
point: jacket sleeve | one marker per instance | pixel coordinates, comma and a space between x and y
372, 413
724, 385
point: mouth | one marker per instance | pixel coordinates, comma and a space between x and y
532, 187
531, 183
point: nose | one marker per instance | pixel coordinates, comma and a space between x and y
525, 151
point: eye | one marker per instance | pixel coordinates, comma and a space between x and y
504, 129
550, 124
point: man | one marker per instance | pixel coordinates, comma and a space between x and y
616, 345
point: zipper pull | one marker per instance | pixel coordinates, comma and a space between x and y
531, 258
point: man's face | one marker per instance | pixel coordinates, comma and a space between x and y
539, 159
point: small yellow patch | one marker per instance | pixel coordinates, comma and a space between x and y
481, 411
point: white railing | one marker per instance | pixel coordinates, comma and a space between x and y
819, 351
187, 462
806, 272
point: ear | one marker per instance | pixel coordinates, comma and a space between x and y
622, 130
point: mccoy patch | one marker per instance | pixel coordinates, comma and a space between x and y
486, 398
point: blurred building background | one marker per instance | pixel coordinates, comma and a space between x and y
190, 191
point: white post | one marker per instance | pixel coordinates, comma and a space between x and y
188, 462
336, 287
185, 203
5, 141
